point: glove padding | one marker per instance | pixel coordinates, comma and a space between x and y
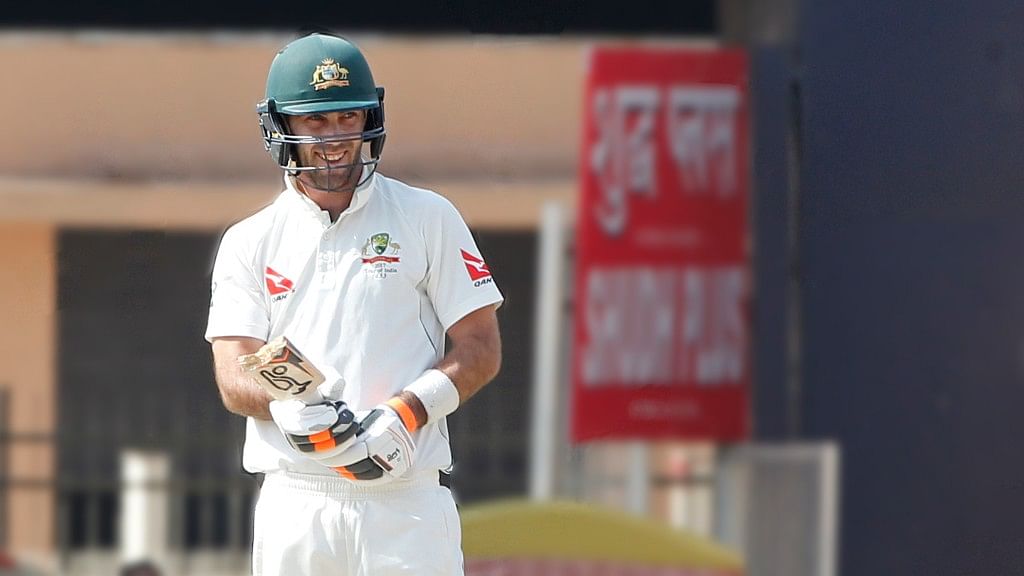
320, 431
383, 450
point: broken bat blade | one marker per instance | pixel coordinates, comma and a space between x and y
283, 371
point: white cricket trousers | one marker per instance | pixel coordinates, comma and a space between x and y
309, 525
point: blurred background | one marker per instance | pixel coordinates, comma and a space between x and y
857, 415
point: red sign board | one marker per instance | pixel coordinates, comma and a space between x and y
662, 279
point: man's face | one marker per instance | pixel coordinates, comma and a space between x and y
339, 160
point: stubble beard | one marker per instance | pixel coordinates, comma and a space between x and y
335, 179
340, 179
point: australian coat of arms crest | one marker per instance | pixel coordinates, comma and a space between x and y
329, 73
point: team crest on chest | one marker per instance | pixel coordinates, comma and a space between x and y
380, 255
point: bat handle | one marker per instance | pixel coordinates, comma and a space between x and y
330, 389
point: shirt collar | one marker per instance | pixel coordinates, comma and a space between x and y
359, 198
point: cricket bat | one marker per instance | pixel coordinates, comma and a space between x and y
283, 371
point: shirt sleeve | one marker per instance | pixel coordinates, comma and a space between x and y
237, 304
458, 279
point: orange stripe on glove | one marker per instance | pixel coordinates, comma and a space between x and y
404, 412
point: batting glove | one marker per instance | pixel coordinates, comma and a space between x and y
384, 448
320, 431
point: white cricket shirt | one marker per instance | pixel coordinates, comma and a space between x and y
370, 296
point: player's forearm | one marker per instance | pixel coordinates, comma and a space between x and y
471, 363
241, 395
469, 366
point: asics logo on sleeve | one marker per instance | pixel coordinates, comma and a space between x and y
476, 267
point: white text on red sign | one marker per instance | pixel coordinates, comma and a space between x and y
700, 122
664, 326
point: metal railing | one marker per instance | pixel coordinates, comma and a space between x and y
209, 514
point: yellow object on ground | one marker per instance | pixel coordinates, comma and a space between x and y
517, 537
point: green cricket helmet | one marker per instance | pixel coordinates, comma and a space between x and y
319, 73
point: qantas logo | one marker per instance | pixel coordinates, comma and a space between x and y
276, 283
476, 267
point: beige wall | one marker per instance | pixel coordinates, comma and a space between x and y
183, 106
28, 291
135, 130
213, 204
